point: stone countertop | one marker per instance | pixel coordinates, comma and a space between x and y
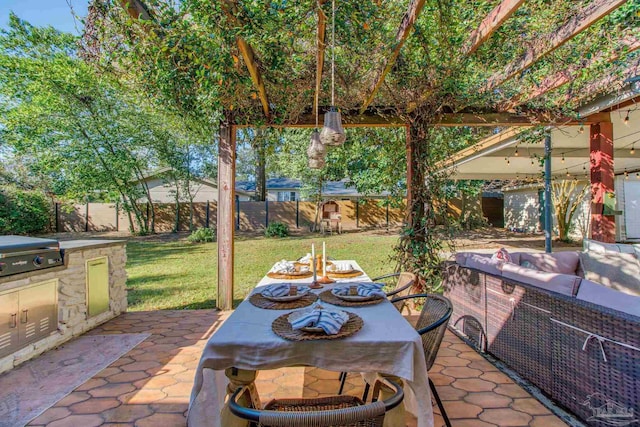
75, 245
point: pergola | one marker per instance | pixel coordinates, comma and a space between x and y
386, 80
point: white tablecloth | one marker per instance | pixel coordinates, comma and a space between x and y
387, 343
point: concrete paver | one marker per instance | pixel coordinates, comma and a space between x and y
150, 385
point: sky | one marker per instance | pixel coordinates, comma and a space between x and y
57, 13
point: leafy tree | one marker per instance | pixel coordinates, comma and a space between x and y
82, 130
567, 195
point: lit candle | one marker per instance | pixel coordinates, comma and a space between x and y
313, 260
324, 259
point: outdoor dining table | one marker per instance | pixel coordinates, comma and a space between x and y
245, 343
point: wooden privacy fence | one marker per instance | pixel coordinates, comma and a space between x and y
250, 216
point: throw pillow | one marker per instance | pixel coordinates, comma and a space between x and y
619, 271
502, 255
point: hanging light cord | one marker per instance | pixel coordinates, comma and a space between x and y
333, 50
317, 62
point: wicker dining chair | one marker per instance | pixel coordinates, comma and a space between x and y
431, 325
403, 286
337, 411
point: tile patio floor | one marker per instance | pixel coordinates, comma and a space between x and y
150, 385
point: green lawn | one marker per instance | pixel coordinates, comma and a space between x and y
181, 275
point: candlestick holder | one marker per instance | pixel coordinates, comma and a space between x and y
316, 284
325, 280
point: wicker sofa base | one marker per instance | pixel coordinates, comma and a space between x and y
586, 357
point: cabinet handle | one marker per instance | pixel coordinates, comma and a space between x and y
14, 320
25, 316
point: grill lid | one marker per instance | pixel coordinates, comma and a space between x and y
9, 244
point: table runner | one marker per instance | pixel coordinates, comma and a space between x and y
387, 344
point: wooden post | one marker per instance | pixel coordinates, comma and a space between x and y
117, 217
297, 213
86, 219
601, 142
357, 213
266, 213
207, 216
225, 228
237, 213
57, 217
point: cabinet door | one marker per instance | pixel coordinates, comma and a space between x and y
97, 286
38, 311
8, 323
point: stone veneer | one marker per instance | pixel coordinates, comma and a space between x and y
72, 294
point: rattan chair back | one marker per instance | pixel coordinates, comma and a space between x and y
435, 311
406, 281
432, 322
332, 411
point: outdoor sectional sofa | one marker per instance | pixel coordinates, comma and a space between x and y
577, 340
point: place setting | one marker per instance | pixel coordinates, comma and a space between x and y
283, 296
317, 322
289, 270
354, 294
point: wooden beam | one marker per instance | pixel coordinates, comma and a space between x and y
231, 11
544, 45
508, 119
627, 45
320, 38
226, 208
406, 25
490, 24
610, 83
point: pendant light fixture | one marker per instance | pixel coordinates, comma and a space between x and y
317, 150
333, 132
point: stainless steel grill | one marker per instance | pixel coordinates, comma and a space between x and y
19, 254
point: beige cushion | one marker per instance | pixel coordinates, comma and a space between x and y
601, 247
483, 262
557, 262
619, 271
566, 284
607, 297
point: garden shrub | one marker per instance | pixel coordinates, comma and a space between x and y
24, 212
277, 229
203, 234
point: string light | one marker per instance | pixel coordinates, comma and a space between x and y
637, 175
581, 130
626, 118
633, 150
568, 174
516, 152
532, 161
562, 158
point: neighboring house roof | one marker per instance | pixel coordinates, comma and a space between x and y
204, 181
272, 184
331, 188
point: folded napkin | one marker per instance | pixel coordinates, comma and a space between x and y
284, 266
364, 289
340, 266
282, 290
305, 259
329, 320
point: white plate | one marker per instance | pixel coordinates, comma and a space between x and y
284, 298
357, 298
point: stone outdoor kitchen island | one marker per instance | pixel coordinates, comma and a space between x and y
51, 306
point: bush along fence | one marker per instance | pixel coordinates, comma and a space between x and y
250, 216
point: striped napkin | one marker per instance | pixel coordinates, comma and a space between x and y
329, 320
282, 290
364, 289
